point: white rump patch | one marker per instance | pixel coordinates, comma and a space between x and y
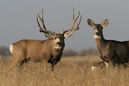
11, 48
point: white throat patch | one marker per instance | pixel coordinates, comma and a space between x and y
57, 47
96, 36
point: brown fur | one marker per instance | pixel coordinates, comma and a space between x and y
36, 50
111, 51
44, 50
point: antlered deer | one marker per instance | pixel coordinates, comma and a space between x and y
111, 51
47, 51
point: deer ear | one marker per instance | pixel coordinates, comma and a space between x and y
68, 34
105, 23
90, 23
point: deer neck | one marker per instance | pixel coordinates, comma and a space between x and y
99, 41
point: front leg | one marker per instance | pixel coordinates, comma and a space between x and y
45, 65
54, 62
52, 66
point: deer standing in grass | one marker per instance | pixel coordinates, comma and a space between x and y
111, 51
47, 51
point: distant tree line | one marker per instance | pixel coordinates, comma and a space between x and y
4, 51
84, 52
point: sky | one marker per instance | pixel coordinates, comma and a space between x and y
18, 20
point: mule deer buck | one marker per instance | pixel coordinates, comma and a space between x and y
111, 51
47, 51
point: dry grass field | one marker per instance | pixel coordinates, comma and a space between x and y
72, 71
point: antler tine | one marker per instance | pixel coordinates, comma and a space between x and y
73, 23
42, 20
80, 20
77, 27
41, 29
74, 20
77, 17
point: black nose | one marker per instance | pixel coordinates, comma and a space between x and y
59, 43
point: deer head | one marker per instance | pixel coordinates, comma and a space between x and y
98, 33
58, 38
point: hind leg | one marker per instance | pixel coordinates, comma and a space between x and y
16, 62
22, 62
13, 64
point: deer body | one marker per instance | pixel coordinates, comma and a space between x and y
111, 51
47, 51
36, 50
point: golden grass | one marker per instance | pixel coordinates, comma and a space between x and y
68, 72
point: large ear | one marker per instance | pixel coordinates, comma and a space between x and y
105, 23
68, 33
90, 23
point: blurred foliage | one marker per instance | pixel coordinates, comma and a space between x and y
70, 52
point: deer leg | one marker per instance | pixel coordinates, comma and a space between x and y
125, 65
22, 61
12, 65
45, 65
14, 62
52, 66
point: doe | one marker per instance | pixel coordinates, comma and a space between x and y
111, 51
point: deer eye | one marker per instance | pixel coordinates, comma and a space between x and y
59, 43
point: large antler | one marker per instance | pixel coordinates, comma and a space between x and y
74, 21
41, 29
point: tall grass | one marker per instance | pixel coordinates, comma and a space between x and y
69, 72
